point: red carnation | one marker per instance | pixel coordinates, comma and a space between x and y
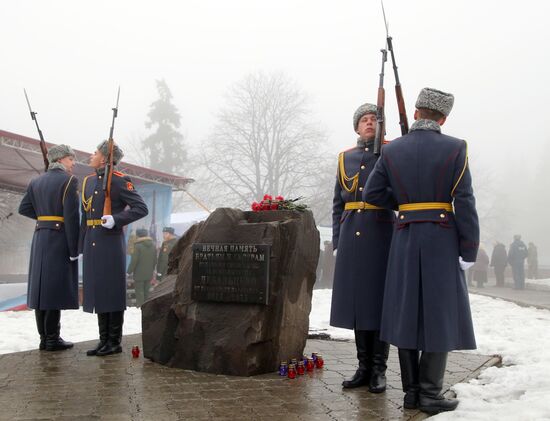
279, 198
274, 206
267, 197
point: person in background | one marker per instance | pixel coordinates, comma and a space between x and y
532, 262
480, 268
517, 253
499, 261
142, 265
170, 240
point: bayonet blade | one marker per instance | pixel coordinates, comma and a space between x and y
29, 104
385, 21
116, 106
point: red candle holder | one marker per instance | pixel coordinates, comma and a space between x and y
310, 364
301, 368
291, 371
135, 351
320, 362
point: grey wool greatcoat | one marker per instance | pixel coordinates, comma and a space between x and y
53, 278
362, 239
104, 250
426, 304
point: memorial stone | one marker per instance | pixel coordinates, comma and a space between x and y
227, 317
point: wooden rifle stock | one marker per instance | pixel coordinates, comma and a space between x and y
403, 121
380, 102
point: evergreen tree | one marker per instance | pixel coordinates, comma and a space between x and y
165, 147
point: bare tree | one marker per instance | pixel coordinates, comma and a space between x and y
264, 142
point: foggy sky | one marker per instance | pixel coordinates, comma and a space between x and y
71, 57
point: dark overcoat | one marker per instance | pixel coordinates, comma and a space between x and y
499, 257
426, 303
104, 250
362, 239
517, 253
53, 278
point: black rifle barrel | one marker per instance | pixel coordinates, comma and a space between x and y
43, 147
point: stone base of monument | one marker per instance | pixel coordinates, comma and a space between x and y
213, 314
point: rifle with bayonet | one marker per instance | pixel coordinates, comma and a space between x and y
403, 121
43, 147
110, 166
380, 101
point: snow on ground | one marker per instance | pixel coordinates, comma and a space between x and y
19, 328
539, 282
519, 390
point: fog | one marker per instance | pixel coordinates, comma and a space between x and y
493, 55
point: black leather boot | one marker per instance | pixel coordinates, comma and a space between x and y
103, 324
39, 316
52, 327
408, 361
116, 320
363, 343
431, 373
380, 351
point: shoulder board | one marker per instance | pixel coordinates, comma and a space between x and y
349, 149
386, 141
118, 173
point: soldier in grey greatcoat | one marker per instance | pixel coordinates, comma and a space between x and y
104, 248
361, 236
52, 200
426, 308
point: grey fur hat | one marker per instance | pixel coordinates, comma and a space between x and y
433, 99
57, 152
103, 147
361, 111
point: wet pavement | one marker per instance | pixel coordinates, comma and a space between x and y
68, 385
532, 296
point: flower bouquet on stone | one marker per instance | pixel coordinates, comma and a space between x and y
278, 203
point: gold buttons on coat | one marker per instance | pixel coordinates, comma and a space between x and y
401, 216
357, 233
358, 210
93, 209
360, 188
100, 177
367, 149
95, 192
56, 225
442, 215
93, 244
362, 167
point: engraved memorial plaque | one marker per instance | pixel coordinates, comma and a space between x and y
233, 273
